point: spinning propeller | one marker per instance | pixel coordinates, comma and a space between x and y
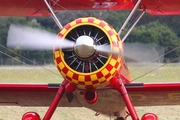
27, 38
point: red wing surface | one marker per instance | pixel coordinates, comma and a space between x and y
141, 94
39, 8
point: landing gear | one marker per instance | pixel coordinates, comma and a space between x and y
52, 108
56, 101
119, 86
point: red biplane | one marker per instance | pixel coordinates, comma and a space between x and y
91, 76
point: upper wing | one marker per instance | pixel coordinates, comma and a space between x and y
161, 7
38, 7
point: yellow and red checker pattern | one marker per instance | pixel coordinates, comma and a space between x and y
105, 73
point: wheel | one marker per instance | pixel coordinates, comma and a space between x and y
149, 116
31, 116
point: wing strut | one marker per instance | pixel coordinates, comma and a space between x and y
53, 15
128, 18
140, 16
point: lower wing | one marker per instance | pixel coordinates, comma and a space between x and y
141, 94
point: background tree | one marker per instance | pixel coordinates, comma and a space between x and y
38, 55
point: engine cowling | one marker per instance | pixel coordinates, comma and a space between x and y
82, 65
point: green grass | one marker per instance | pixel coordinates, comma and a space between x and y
30, 74
169, 73
160, 73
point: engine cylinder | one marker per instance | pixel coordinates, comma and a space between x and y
90, 96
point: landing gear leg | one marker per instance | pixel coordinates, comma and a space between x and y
121, 88
56, 100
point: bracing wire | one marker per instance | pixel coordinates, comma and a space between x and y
25, 59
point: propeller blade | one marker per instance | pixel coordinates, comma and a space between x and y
141, 52
107, 49
27, 38
136, 52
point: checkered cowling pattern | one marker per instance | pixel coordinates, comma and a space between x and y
105, 73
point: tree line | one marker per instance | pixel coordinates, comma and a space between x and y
157, 31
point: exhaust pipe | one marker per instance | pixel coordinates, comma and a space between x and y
90, 96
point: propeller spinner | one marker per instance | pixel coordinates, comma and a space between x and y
84, 46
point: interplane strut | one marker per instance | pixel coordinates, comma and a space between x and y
53, 15
128, 18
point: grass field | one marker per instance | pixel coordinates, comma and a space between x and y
24, 74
